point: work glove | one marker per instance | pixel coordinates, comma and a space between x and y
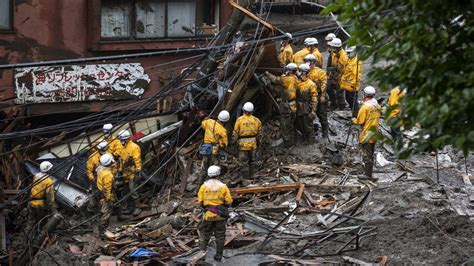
89, 190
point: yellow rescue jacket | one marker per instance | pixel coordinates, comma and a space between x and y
213, 193
299, 56
285, 56
368, 117
351, 75
105, 182
115, 147
246, 129
289, 85
306, 96
131, 160
394, 100
214, 133
92, 163
42, 191
338, 63
319, 77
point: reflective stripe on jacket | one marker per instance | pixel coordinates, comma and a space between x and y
368, 117
213, 193
246, 129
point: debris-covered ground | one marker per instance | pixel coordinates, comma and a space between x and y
284, 212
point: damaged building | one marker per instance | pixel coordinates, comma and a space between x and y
155, 68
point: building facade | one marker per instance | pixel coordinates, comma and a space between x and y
45, 30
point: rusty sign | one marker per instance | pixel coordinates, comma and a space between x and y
80, 83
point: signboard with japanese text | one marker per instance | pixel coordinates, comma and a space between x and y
80, 83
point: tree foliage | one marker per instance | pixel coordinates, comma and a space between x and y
426, 47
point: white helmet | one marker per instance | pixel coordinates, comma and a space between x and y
106, 159
107, 127
223, 116
310, 41
310, 58
291, 66
248, 107
102, 146
369, 91
350, 49
330, 36
123, 135
335, 42
304, 68
45, 166
213, 171
288, 36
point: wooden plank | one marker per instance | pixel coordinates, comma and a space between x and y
300, 193
252, 15
261, 189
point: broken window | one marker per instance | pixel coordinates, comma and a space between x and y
5, 14
159, 18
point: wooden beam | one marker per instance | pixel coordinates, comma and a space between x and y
252, 15
261, 189
300, 193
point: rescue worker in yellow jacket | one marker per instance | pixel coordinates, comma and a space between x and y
131, 167
319, 77
287, 106
247, 130
310, 48
368, 118
394, 107
214, 196
350, 79
285, 55
336, 64
92, 163
215, 139
307, 103
42, 200
115, 148
105, 183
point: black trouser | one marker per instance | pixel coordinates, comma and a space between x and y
322, 113
368, 150
207, 229
246, 163
353, 101
336, 95
305, 123
207, 160
288, 130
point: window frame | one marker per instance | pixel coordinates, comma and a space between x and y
10, 29
132, 22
